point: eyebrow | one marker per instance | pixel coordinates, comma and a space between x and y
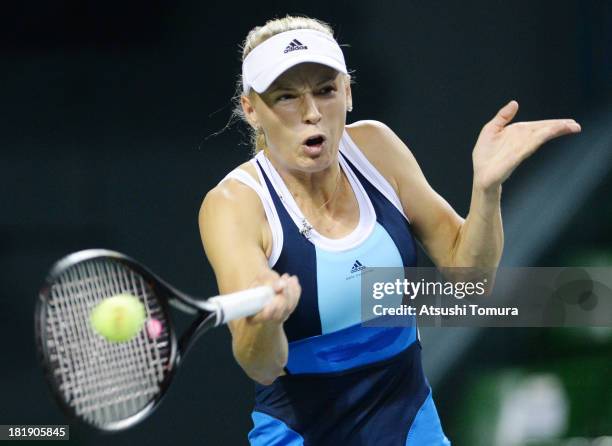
281, 86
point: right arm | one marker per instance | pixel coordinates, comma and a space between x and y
235, 234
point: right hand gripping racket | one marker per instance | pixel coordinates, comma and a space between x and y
112, 386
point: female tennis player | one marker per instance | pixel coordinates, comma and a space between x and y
319, 201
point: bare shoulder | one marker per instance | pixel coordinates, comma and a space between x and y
367, 129
384, 149
249, 168
232, 207
233, 196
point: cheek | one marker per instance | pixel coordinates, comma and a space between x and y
336, 112
285, 119
337, 105
277, 123
281, 132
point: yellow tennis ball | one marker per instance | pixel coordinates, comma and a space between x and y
118, 318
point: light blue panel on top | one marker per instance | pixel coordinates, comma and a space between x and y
269, 431
426, 429
339, 278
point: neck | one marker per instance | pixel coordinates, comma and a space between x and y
311, 189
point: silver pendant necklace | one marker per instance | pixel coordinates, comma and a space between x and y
305, 227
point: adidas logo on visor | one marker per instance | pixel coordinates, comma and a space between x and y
295, 45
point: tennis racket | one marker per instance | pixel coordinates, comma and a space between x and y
112, 386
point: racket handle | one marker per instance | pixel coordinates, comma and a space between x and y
241, 304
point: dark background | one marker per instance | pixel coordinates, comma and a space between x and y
108, 111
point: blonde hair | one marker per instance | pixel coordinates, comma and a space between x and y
258, 35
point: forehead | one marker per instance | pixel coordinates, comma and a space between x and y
304, 74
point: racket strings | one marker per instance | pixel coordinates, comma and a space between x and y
85, 351
118, 383
103, 381
129, 358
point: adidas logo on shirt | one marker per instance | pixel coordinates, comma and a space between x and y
295, 45
357, 266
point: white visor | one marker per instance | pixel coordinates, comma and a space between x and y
274, 56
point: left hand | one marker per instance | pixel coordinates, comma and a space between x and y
501, 147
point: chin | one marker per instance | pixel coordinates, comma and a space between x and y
316, 161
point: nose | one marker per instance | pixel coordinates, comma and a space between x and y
311, 113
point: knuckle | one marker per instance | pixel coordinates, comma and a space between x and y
266, 314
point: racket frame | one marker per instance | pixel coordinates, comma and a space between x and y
210, 316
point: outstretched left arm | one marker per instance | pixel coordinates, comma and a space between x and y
451, 241
500, 148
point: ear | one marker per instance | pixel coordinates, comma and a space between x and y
249, 111
348, 93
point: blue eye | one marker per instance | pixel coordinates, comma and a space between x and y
327, 90
285, 97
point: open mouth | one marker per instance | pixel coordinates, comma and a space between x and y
314, 141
